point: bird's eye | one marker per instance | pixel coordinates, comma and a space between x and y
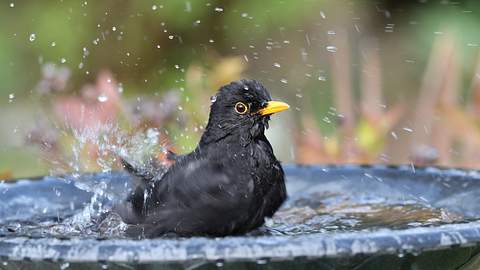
241, 108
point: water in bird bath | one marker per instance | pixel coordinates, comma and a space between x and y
69, 208
337, 212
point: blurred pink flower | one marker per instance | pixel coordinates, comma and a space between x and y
54, 79
97, 105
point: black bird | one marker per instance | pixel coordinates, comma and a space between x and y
227, 185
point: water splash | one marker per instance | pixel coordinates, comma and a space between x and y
100, 148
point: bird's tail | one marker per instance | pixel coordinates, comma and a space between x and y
146, 172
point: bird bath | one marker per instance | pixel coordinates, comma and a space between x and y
336, 217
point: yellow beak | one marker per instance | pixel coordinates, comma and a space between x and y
274, 107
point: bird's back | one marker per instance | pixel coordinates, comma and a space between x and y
217, 193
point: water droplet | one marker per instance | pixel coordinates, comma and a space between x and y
322, 78
244, 15
170, 37
11, 97
211, 41
389, 28
213, 99
331, 49
64, 266
63, 60
12, 5
154, 7
276, 65
284, 81
331, 32
114, 28
408, 129
218, 9
53, 44
262, 261
32, 37
102, 98
188, 6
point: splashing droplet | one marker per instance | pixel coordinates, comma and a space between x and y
213, 99
322, 15
102, 98
331, 49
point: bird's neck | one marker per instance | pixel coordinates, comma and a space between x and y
220, 137
228, 140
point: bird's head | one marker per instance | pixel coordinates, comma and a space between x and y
240, 110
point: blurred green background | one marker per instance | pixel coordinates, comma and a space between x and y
368, 81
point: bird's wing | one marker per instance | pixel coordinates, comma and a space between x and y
147, 171
201, 197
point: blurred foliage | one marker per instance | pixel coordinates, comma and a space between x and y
331, 60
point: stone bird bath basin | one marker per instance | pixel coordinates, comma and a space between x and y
337, 217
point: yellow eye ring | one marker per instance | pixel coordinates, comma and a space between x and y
241, 108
